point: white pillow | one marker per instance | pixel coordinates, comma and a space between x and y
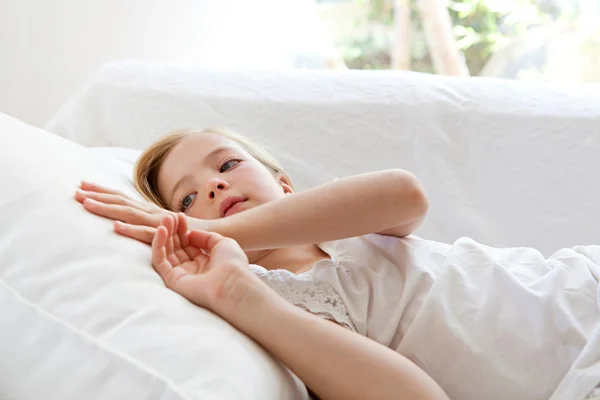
83, 314
128, 156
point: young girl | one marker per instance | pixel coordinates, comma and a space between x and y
465, 320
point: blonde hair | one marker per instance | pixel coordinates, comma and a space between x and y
145, 175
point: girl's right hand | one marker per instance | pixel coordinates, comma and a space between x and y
135, 219
206, 268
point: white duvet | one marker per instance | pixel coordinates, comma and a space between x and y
483, 322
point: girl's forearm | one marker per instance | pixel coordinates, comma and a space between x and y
332, 361
353, 206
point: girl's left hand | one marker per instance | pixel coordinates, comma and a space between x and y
207, 269
134, 219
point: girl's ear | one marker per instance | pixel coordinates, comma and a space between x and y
285, 184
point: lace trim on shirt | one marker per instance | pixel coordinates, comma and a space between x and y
312, 295
594, 394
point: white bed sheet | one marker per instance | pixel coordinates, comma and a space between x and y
505, 163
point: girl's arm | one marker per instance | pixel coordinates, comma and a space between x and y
332, 361
390, 202
335, 363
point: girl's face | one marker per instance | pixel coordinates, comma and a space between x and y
209, 176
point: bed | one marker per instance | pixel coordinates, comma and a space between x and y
84, 316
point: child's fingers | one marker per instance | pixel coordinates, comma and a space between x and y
182, 226
204, 240
107, 198
167, 222
199, 239
144, 234
85, 185
190, 252
180, 240
132, 215
172, 257
159, 253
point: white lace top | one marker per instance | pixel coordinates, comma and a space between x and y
484, 323
303, 291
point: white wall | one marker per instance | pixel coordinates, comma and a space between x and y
48, 48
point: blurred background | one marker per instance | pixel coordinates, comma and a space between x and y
544, 40
48, 49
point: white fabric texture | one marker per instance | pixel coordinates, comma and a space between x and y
484, 323
594, 394
83, 314
309, 294
505, 163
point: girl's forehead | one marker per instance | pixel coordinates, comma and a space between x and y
189, 153
199, 146
206, 142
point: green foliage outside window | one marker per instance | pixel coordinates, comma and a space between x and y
481, 27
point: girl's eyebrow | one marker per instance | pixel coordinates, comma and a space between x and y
215, 152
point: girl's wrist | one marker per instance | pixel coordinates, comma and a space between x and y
220, 226
258, 316
200, 224
244, 300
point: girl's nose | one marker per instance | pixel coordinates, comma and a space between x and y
215, 185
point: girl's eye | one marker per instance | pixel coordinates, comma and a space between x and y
227, 165
186, 202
